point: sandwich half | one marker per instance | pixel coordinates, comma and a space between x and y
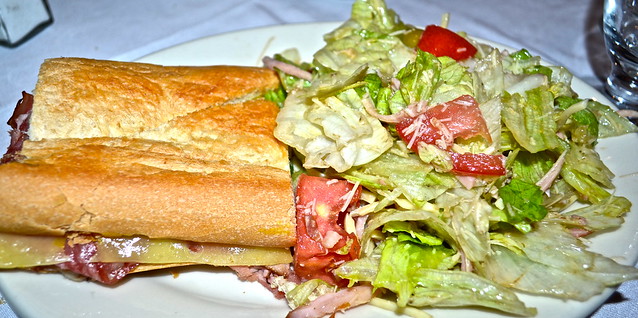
156, 158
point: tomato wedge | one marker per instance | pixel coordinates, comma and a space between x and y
441, 124
459, 118
478, 164
322, 242
443, 42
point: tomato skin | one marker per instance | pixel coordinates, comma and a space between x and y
478, 164
443, 42
461, 117
319, 216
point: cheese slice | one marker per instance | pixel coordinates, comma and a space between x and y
20, 251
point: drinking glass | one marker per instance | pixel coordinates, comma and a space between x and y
620, 26
21, 19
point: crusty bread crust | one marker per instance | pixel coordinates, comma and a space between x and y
81, 98
138, 149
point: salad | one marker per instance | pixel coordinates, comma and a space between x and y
432, 170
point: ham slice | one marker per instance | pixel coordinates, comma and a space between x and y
106, 273
329, 304
19, 123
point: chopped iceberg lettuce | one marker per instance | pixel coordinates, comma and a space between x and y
433, 235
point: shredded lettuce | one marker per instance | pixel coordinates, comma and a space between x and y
530, 167
555, 263
425, 227
413, 178
306, 291
523, 204
529, 119
606, 214
610, 123
400, 261
455, 288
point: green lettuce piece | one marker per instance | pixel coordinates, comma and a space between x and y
610, 123
562, 77
371, 85
290, 82
583, 126
409, 231
419, 79
489, 77
421, 276
375, 16
435, 156
440, 288
399, 262
523, 203
606, 214
531, 167
363, 269
470, 220
587, 161
530, 119
539, 69
455, 81
560, 196
334, 132
430, 79
301, 294
367, 38
277, 96
519, 61
415, 179
554, 263
589, 189
429, 219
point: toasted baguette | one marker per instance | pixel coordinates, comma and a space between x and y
166, 152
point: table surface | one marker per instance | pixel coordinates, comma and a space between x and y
565, 33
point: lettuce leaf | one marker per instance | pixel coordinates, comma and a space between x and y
335, 132
366, 38
409, 231
427, 218
610, 123
401, 259
412, 177
588, 188
529, 119
304, 292
554, 263
583, 124
470, 219
530, 167
606, 214
419, 79
523, 203
587, 161
440, 288
421, 276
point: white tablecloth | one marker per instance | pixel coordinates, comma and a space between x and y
566, 32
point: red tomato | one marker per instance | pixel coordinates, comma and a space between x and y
443, 42
322, 243
478, 164
460, 118
441, 124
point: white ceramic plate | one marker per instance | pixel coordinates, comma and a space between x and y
213, 292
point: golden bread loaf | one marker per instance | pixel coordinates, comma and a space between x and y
121, 149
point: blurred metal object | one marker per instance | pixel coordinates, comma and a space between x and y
620, 26
22, 19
